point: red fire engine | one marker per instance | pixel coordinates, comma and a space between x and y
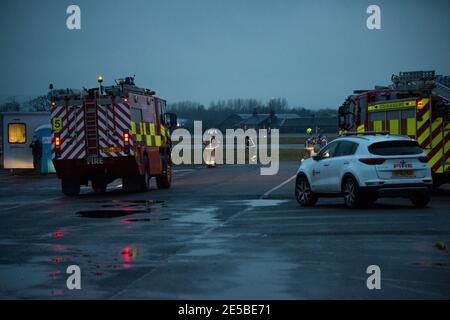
105, 133
415, 105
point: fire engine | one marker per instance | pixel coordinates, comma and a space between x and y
110, 132
416, 104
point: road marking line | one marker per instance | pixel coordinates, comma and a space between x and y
265, 195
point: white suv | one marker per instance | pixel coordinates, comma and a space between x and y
362, 168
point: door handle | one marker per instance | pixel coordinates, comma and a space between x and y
346, 162
326, 164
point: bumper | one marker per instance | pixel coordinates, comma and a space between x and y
111, 167
398, 190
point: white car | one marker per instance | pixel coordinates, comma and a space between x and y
362, 168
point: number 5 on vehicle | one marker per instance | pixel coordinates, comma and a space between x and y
57, 124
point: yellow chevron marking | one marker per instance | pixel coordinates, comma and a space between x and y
360, 128
425, 118
133, 127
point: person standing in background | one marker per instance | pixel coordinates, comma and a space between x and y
36, 150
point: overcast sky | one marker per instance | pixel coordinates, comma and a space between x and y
314, 53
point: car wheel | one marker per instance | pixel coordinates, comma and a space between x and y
145, 184
305, 197
351, 193
99, 186
421, 200
70, 187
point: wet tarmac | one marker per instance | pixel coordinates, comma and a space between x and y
217, 234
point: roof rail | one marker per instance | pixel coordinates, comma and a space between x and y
365, 133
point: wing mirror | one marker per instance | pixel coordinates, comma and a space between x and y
170, 119
316, 157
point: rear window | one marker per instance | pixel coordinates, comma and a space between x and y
395, 148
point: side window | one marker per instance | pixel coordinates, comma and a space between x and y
17, 133
346, 148
362, 109
328, 151
136, 115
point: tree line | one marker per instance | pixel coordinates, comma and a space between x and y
217, 111
211, 115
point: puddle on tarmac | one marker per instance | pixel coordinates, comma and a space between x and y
129, 202
121, 208
438, 264
145, 219
102, 214
203, 252
206, 215
261, 202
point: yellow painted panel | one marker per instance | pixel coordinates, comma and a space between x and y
149, 140
377, 125
411, 126
152, 129
393, 126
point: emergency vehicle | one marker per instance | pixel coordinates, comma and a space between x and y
105, 133
415, 105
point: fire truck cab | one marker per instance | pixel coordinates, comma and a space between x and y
415, 105
105, 133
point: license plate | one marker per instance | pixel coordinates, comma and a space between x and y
402, 173
112, 149
93, 161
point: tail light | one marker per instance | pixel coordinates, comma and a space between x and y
126, 140
423, 159
372, 161
57, 141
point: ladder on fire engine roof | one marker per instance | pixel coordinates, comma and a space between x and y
414, 81
442, 91
91, 128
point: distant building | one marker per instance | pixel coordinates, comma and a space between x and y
285, 122
325, 124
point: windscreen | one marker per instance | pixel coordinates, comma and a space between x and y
395, 148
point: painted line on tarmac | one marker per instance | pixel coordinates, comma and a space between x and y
265, 195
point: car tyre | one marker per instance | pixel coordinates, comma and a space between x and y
145, 184
352, 194
421, 200
99, 186
164, 181
70, 187
303, 193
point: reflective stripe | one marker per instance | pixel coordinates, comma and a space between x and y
158, 141
393, 105
152, 129
133, 127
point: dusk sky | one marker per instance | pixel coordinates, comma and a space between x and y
313, 53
